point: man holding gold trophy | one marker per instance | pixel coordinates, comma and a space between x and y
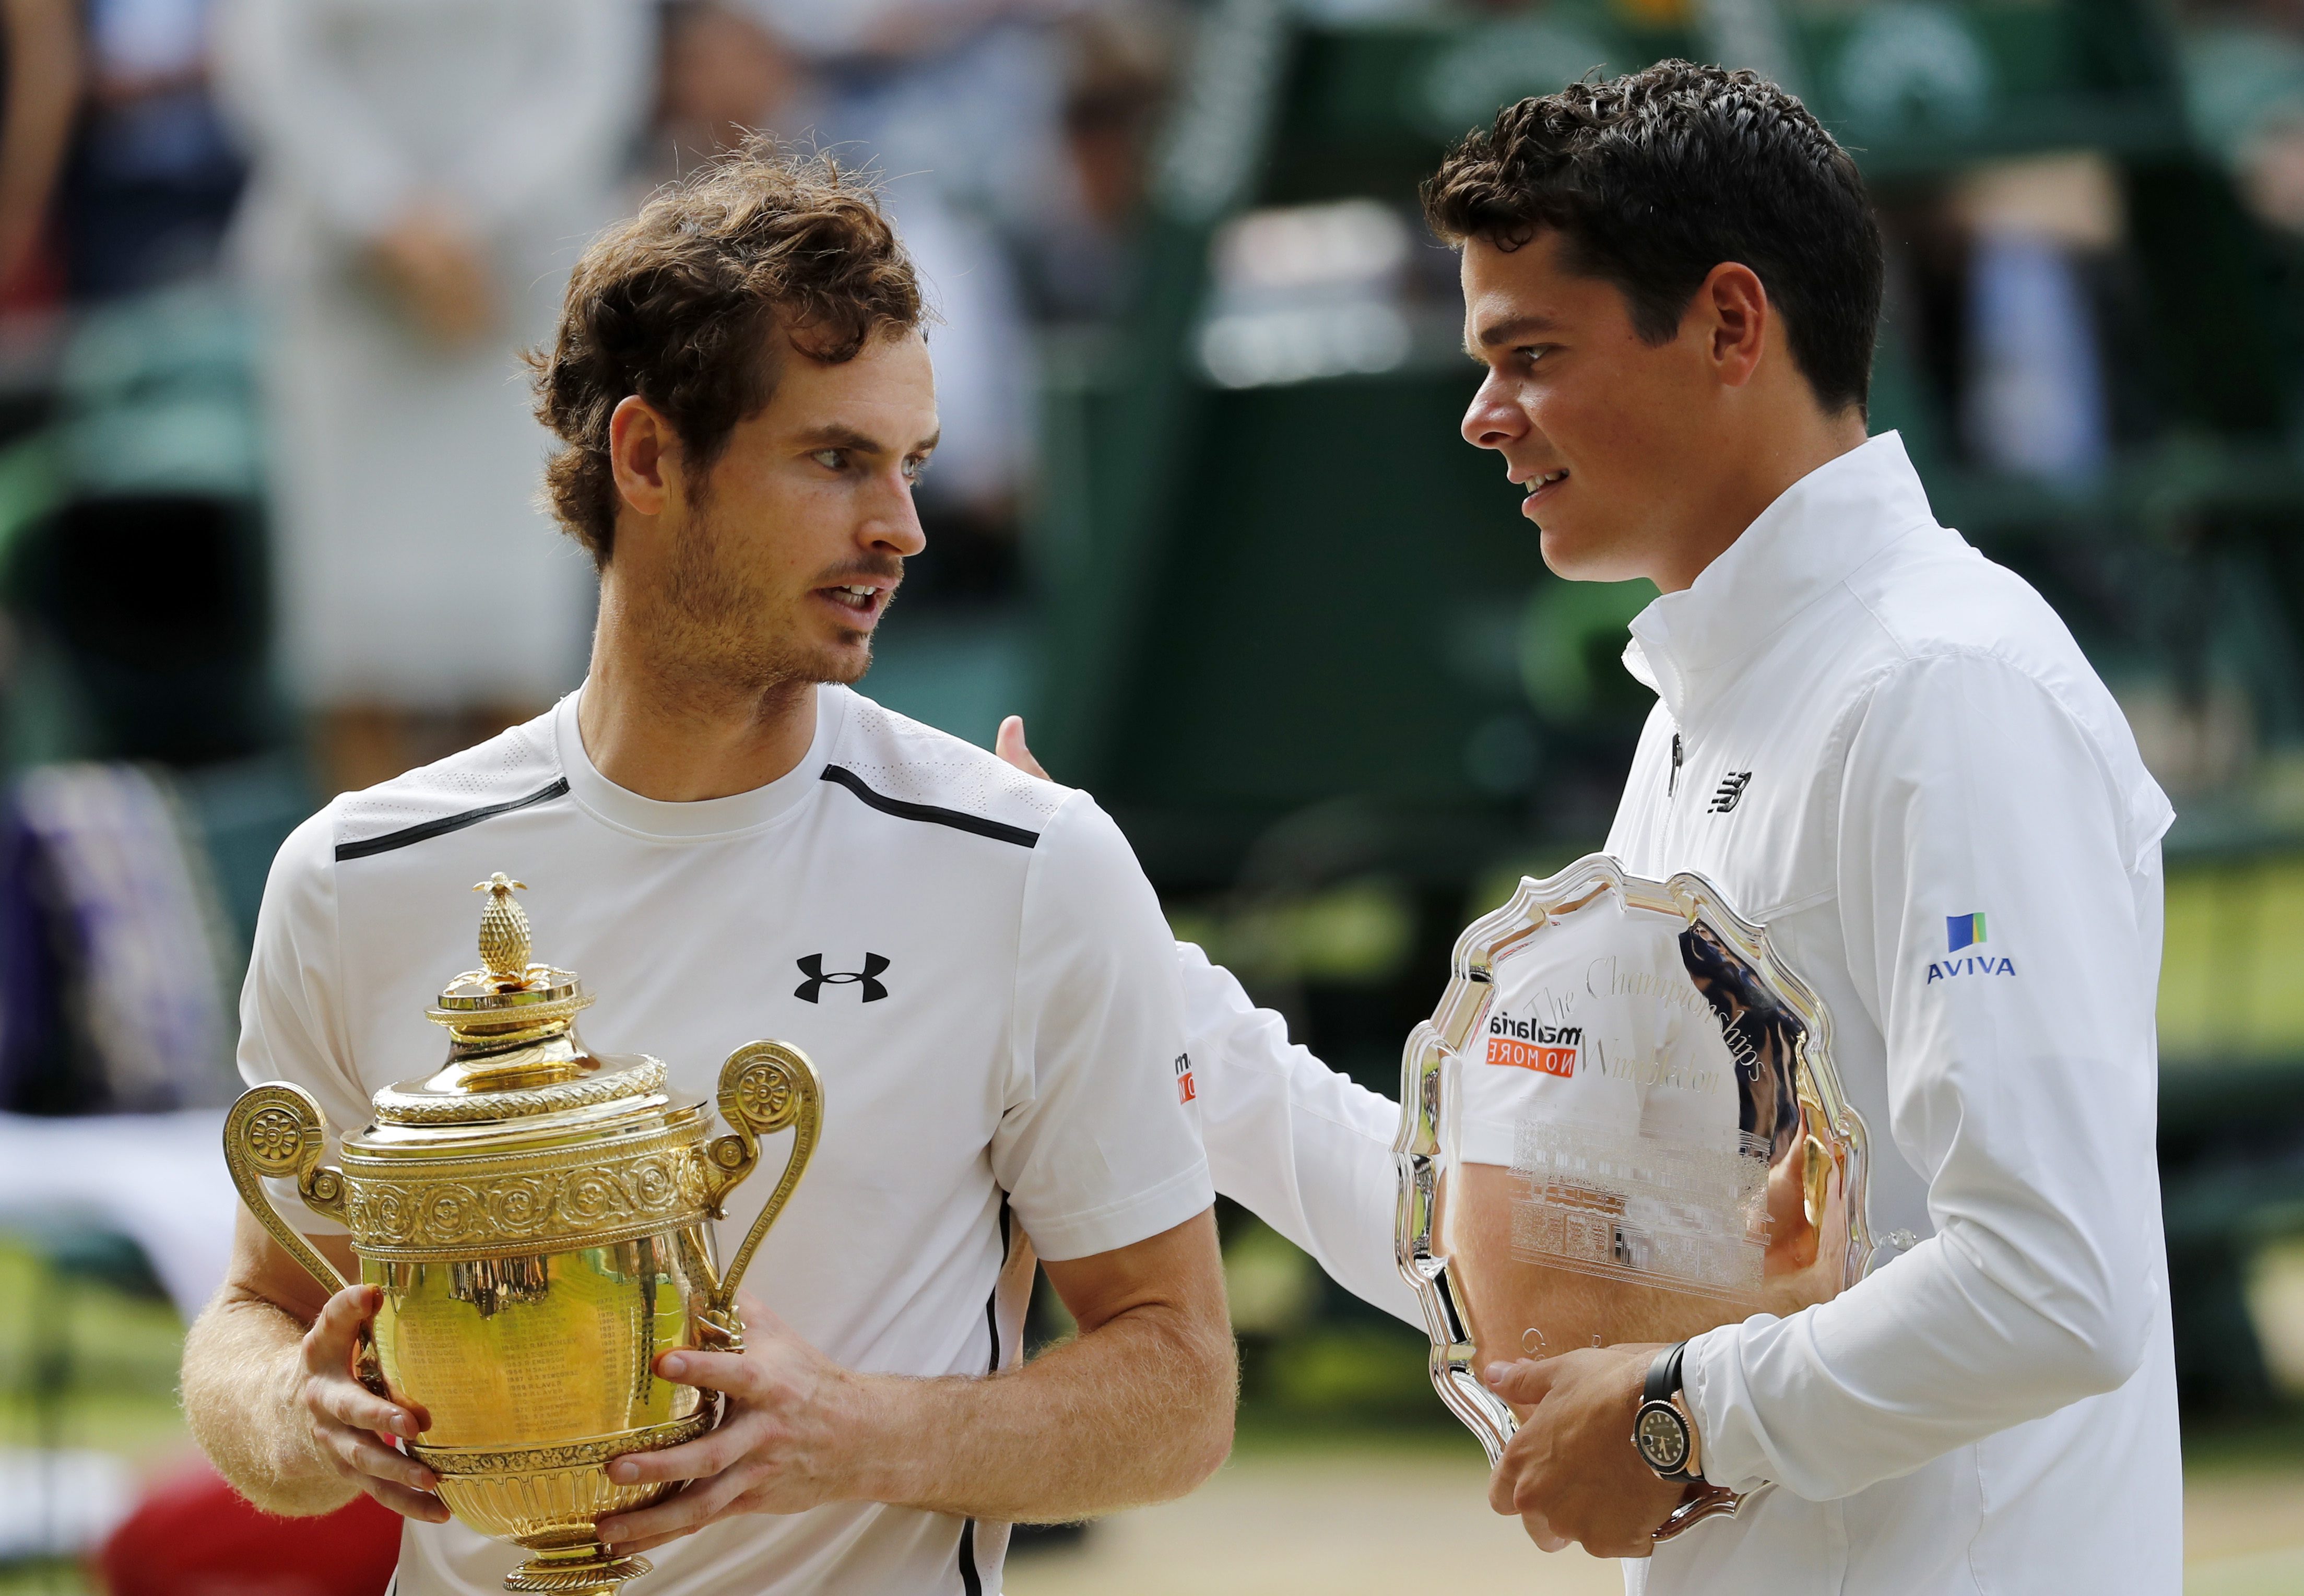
943, 991
1778, 1187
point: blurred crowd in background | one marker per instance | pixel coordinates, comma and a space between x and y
268, 473
270, 532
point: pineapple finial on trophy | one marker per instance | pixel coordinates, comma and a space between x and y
504, 929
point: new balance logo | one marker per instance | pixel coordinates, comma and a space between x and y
869, 978
1732, 788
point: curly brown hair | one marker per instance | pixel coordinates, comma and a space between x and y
679, 305
1653, 178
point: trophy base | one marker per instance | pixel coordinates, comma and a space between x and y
589, 1571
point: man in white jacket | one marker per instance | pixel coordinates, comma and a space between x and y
1891, 752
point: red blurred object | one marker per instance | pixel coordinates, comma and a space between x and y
36, 281
193, 1535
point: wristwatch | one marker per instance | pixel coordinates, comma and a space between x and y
1661, 1432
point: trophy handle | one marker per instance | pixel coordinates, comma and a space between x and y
278, 1130
764, 1087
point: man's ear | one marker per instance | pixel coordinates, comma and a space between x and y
644, 453
1734, 305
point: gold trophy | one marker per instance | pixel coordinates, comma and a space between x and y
537, 1217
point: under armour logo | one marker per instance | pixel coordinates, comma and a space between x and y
1731, 790
869, 977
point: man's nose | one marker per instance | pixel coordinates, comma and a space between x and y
1493, 420
894, 527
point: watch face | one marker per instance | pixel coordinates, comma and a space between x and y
1661, 1436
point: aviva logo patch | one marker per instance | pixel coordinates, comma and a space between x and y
1967, 930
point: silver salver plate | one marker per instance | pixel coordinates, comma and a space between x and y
1621, 1125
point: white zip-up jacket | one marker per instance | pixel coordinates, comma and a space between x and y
1891, 752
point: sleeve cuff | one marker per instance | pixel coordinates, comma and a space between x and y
1710, 1382
1060, 1238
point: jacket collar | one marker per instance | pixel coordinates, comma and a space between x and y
1689, 645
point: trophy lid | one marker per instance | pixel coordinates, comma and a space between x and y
512, 1047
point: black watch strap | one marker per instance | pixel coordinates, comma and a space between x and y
1658, 1409
1663, 1374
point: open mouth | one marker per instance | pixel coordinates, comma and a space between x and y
861, 602
1539, 490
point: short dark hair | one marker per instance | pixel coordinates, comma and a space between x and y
678, 306
1655, 178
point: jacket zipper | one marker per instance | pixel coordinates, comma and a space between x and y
1672, 782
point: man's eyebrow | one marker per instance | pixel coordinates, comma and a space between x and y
1507, 331
834, 436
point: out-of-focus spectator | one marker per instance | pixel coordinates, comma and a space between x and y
2036, 401
725, 74
111, 965
43, 64
2244, 74
152, 177
425, 173
963, 93
1120, 66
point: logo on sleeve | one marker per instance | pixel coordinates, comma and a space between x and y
1532, 1045
1184, 1092
1967, 930
1729, 794
869, 978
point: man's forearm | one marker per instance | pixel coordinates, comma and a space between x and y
243, 1371
1934, 1352
1303, 1148
1138, 1408
1138, 1411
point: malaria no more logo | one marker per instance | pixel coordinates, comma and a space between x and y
812, 966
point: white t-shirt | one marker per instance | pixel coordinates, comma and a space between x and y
1014, 1054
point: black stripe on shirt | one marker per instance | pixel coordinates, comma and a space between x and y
992, 1303
970, 1581
929, 812
441, 827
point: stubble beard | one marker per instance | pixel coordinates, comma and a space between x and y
720, 637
